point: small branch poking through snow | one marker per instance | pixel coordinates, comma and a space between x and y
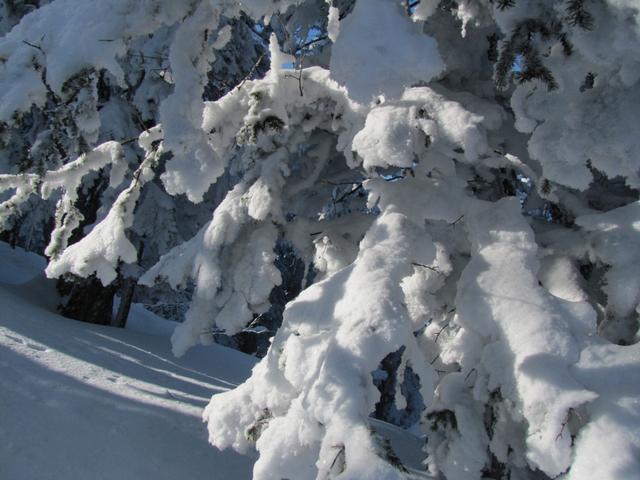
434, 269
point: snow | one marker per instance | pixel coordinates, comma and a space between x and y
523, 337
333, 23
529, 346
193, 167
91, 35
571, 126
613, 372
67, 178
424, 10
82, 401
561, 277
388, 138
278, 57
111, 403
107, 244
397, 133
611, 236
222, 255
18, 265
310, 397
143, 321
378, 29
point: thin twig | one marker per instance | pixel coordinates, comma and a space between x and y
340, 183
311, 42
253, 69
457, 220
38, 47
153, 57
300, 76
428, 267
340, 451
346, 194
470, 372
441, 330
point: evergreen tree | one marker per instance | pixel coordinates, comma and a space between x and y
455, 181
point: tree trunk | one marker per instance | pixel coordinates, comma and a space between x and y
128, 289
86, 299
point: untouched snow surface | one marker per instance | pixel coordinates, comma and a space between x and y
80, 401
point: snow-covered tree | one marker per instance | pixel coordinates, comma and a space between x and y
459, 179
91, 108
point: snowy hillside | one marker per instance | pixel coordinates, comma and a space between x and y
80, 401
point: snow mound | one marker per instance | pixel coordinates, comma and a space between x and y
403, 55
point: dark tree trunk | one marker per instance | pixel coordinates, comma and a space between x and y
86, 299
128, 289
11, 236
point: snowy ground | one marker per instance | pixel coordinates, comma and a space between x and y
79, 401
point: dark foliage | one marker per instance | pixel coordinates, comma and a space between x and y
578, 15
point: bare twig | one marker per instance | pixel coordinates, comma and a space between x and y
311, 42
340, 452
434, 269
152, 57
340, 183
33, 45
457, 220
346, 194
300, 76
440, 331
469, 374
253, 69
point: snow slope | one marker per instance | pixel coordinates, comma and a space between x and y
81, 401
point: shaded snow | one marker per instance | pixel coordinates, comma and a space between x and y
143, 321
19, 266
82, 401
